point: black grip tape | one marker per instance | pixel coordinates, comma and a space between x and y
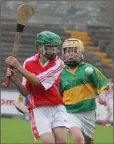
20, 28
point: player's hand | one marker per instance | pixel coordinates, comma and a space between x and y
102, 100
11, 73
12, 61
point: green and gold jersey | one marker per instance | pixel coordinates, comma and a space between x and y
80, 87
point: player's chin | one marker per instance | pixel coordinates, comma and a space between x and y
50, 57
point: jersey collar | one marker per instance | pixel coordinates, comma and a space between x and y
36, 57
82, 63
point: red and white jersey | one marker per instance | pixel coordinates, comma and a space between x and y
49, 76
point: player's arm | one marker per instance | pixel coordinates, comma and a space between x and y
24, 93
22, 89
105, 90
46, 78
29, 76
22, 70
101, 83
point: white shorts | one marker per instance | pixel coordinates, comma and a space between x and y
45, 118
84, 120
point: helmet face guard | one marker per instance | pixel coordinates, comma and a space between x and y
72, 52
49, 41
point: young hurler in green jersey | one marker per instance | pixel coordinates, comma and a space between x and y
79, 84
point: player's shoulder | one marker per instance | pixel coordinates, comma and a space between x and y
85, 64
59, 61
87, 67
29, 59
64, 67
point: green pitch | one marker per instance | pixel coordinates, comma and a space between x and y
18, 131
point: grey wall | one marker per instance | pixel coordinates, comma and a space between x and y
69, 14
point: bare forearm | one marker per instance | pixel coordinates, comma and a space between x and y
29, 76
21, 88
103, 93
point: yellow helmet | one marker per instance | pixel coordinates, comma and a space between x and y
73, 42
72, 52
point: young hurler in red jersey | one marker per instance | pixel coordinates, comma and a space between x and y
42, 73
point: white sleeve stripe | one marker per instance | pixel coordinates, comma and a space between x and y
51, 73
59, 71
54, 71
50, 81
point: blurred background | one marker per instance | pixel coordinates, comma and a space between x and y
90, 20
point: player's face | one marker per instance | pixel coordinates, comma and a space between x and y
70, 54
50, 51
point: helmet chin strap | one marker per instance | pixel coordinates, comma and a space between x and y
75, 63
72, 64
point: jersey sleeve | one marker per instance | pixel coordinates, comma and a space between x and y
49, 77
99, 79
